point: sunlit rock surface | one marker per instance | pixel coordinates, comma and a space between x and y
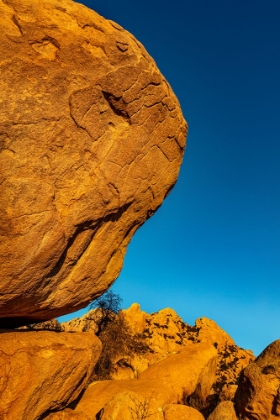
91, 138
42, 371
198, 366
258, 393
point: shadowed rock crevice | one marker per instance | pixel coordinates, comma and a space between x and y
117, 105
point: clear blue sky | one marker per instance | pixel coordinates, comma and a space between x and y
213, 247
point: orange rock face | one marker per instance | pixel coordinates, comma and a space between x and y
131, 405
91, 138
166, 382
224, 411
182, 412
170, 378
43, 371
258, 392
165, 333
107, 395
193, 367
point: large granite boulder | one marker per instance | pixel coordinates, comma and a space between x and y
43, 371
91, 140
258, 392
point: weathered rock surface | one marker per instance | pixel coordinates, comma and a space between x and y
192, 368
66, 414
85, 323
99, 395
168, 382
129, 405
43, 370
258, 392
224, 411
91, 139
182, 412
165, 333
197, 367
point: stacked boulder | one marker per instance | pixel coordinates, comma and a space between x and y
91, 140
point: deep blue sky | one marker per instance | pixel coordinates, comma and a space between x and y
213, 247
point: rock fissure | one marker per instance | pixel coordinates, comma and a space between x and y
139, 93
16, 22
117, 105
31, 214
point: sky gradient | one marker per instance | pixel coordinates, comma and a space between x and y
213, 247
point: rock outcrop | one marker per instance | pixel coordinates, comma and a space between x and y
91, 138
84, 324
258, 392
43, 371
182, 371
165, 332
167, 382
198, 366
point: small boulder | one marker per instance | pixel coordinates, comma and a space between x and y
224, 411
